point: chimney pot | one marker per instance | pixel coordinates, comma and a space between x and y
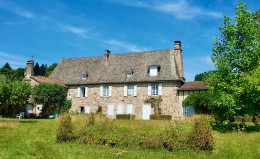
177, 45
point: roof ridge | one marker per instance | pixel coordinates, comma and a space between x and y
127, 53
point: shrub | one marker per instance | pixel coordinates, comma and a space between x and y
201, 136
160, 117
150, 141
125, 116
91, 120
173, 137
65, 129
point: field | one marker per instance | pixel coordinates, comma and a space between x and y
35, 138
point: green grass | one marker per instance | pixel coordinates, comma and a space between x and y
36, 139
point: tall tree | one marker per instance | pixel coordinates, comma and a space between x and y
42, 70
36, 69
237, 58
19, 74
202, 76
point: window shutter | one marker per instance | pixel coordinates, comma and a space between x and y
160, 89
135, 90
125, 90
78, 92
101, 91
86, 91
149, 90
110, 91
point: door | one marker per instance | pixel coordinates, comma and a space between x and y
110, 109
130, 109
146, 111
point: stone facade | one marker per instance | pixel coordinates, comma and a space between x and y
170, 104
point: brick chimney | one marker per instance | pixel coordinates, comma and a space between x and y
178, 59
177, 45
29, 69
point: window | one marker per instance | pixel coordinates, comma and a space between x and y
105, 91
129, 74
110, 109
130, 90
82, 91
84, 76
188, 110
119, 109
154, 89
153, 70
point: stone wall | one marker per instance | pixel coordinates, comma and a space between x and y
170, 104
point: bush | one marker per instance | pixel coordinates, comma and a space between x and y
173, 137
201, 136
150, 141
160, 117
65, 129
125, 116
91, 120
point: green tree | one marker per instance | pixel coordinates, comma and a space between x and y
20, 93
7, 71
36, 69
19, 74
236, 55
52, 96
42, 70
202, 76
50, 69
14, 94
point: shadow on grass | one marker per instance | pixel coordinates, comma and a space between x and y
235, 127
28, 121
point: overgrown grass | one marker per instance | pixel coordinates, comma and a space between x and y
37, 139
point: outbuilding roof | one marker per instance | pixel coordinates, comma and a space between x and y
196, 85
43, 79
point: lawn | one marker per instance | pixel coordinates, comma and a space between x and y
31, 138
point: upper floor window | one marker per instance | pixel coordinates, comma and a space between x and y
84, 76
105, 91
129, 73
130, 90
154, 89
153, 70
82, 91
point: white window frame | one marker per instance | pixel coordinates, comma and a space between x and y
130, 90
154, 89
82, 91
129, 74
105, 91
153, 70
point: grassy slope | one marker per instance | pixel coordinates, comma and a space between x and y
36, 139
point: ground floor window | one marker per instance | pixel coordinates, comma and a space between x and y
188, 110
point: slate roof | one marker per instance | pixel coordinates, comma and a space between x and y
196, 85
113, 69
43, 79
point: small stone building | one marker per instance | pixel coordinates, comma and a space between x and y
120, 83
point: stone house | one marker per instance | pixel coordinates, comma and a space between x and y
120, 83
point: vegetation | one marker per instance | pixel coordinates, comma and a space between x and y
234, 87
65, 129
52, 96
50, 69
155, 103
14, 95
202, 76
201, 137
37, 139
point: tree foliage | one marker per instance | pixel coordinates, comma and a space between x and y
236, 55
14, 94
52, 96
50, 69
202, 76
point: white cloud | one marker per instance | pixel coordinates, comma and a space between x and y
207, 60
124, 45
75, 30
15, 61
180, 9
11, 7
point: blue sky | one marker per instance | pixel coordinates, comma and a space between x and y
56, 29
